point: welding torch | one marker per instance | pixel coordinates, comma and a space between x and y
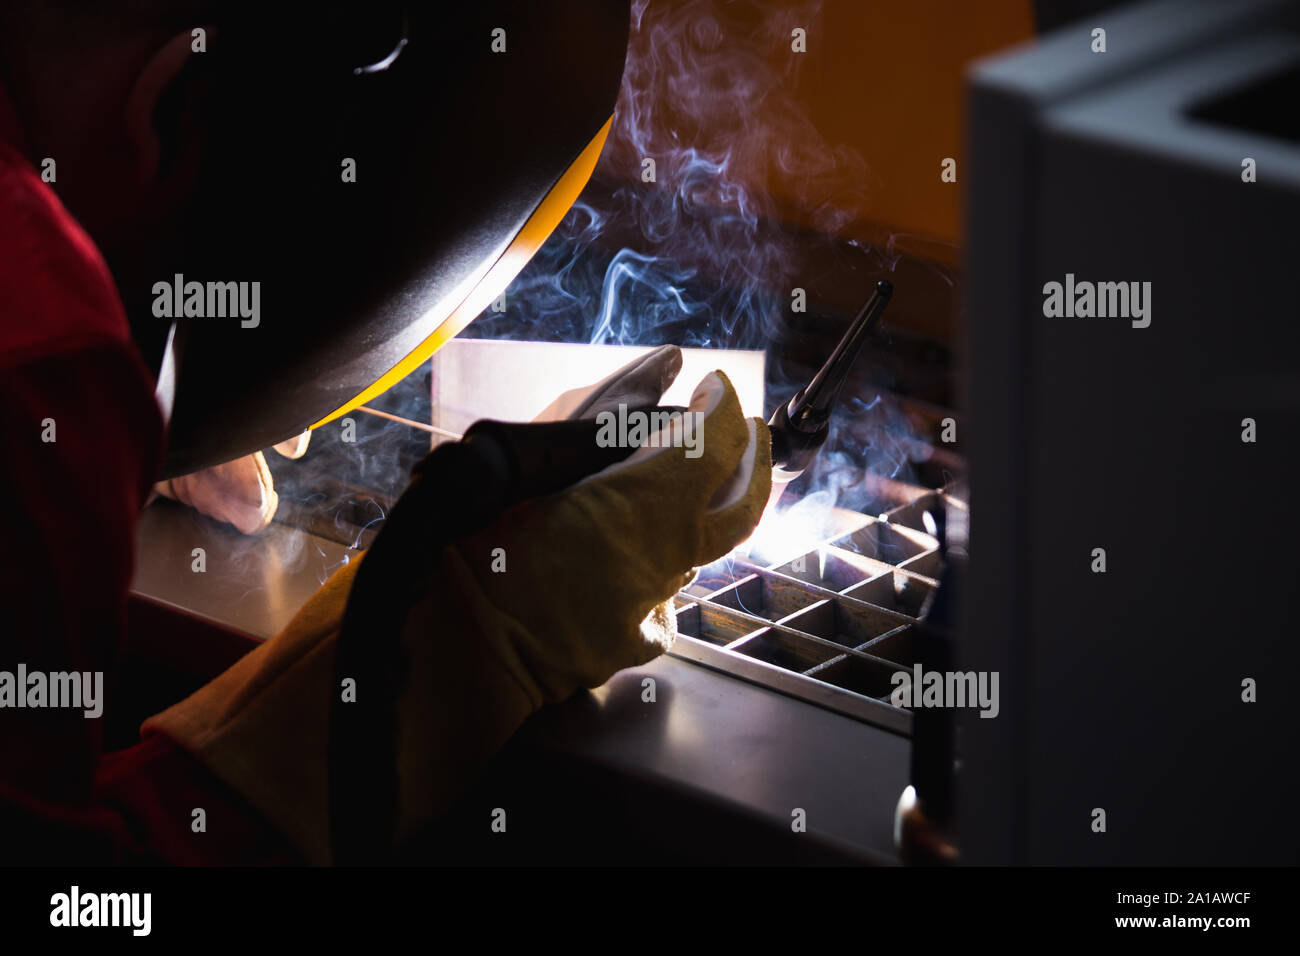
800, 427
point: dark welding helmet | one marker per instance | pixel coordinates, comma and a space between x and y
382, 170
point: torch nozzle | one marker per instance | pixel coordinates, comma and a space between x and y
800, 426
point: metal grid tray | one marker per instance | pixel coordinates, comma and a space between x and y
832, 625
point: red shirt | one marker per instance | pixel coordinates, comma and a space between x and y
68, 510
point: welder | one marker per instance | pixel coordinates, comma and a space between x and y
103, 140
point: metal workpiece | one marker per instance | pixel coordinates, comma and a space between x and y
793, 655
765, 594
893, 544
829, 567
831, 625
898, 590
912, 514
845, 621
715, 577
711, 624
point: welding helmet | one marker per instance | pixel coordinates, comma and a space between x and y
381, 171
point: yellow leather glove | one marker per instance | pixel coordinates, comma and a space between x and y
589, 576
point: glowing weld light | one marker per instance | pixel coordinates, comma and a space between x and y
786, 533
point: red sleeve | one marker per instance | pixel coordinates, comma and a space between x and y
68, 507
81, 438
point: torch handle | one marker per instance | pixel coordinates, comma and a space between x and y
801, 425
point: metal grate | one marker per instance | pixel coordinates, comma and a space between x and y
831, 625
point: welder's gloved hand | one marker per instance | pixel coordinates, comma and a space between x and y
589, 574
239, 492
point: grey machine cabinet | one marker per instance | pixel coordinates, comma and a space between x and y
1123, 691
